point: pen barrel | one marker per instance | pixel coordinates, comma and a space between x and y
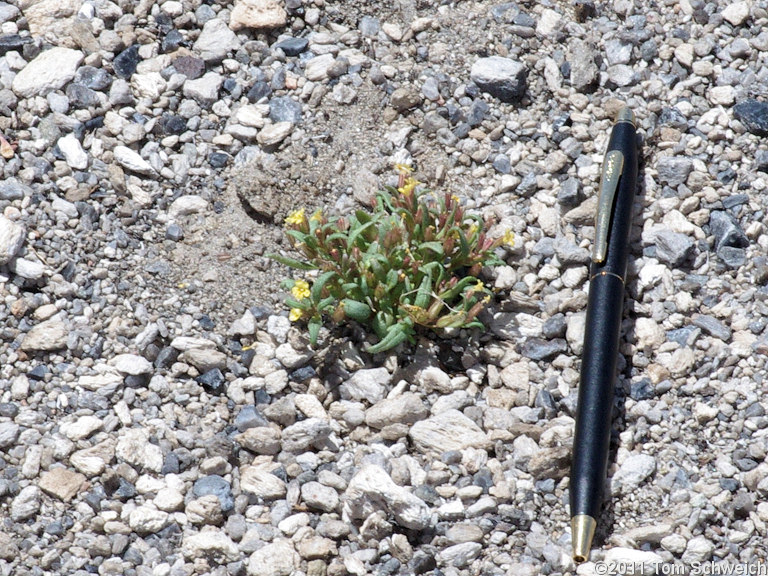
622, 139
601, 341
593, 416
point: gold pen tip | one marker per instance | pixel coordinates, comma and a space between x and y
582, 533
625, 115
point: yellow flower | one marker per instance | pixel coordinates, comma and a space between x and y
317, 216
479, 287
473, 229
403, 168
455, 198
508, 238
409, 185
296, 314
295, 217
300, 289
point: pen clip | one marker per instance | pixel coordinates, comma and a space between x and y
609, 182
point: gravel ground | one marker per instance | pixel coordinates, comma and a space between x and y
159, 414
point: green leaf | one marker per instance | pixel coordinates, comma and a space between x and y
356, 310
313, 327
356, 234
326, 303
319, 284
459, 288
395, 336
300, 304
436, 247
425, 292
291, 262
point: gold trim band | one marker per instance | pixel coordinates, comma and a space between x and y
582, 533
605, 273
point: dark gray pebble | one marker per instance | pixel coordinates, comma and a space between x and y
215, 485
126, 62
754, 116
292, 46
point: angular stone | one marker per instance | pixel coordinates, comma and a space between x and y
26, 504
215, 41
261, 483
317, 68
210, 543
204, 90
46, 336
259, 14
369, 384
73, 152
131, 364
449, 430
12, 237
404, 409
135, 448
81, 428
186, 205
146, 520
132, 160
754, 115
500, 77
62, 483
50, 71
371, 490
306, 433
277, 558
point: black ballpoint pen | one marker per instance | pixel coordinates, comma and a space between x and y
601, 340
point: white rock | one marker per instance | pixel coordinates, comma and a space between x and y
205, 90
211, 542
132, 364
215, 41
9, 432
275, 559
81, 428
319, 497
11, 239
146, 520
722, 95
649, 334
449, 430
50, 71
274, 133
632, 472
46, 336
302, 435
169, 500
316, 69
310, 406
371, 489
134, 448
459, 555
261, 483
250, 115
736, 13
699, 549
132, 160
403, 409
244, 326
644, 561
549, 22
92, 461
369, 384
258, 14
26, 504
150, 85
73, 152
186, 205
674, 543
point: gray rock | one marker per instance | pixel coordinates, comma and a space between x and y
273, 134
9, 432
260, 440
584, 71
285, 109
215, 41
371, 489
26, 504
61, 483
12, 189
187, 205
369, 384
12, 237
673, 170
460, 555
712, 326
319, 497
500, 77
727, 230
673, 247
305, 433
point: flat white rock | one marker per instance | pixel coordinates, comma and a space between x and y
50, 71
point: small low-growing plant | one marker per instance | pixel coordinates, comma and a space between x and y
412, 261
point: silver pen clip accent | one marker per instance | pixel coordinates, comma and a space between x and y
609, 182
